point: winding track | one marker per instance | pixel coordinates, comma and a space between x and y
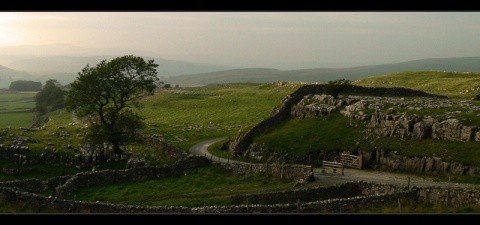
350, 175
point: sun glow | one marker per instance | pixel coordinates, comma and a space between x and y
9, 34
10, 29
21, 28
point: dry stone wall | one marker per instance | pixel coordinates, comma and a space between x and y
300, 174
344, 198
390, 161
86, 156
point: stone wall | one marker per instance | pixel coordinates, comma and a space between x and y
29, 185
65, 186
97, 178
240, 144
390, 161
344, 198
300, 174
86, 156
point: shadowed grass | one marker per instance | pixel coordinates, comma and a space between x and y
210, 185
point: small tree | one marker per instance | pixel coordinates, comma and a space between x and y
50, 98
335, 87
106, 95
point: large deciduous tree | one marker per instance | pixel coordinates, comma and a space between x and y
107, 94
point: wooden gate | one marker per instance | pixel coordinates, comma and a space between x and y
351, 160
332, 167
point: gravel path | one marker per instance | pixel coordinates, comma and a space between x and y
350, 174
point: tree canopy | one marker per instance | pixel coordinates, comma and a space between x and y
24, 85
106, 94
50, 98
335, 87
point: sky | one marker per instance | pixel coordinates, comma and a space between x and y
280, 40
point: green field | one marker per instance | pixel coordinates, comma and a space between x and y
455, 85
191, 115
21, 119
17, 101
16, 109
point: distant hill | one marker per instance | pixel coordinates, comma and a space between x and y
74, 64
63, 62
262, 75
8, 75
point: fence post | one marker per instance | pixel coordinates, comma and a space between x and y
281, 174
399, 205
251, 167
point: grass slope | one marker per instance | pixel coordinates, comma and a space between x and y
455, 85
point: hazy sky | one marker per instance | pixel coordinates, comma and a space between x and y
281, 40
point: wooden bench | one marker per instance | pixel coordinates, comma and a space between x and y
332, 167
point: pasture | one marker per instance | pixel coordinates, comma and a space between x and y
455, 85
16, 109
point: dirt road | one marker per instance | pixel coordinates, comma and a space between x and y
350, 174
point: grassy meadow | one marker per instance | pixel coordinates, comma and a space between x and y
190, 115
15, 109
455, 85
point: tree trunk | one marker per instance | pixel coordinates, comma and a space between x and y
116, 148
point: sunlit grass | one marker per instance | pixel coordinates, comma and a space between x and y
190, 115
452, 84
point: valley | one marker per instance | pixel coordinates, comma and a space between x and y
187, 116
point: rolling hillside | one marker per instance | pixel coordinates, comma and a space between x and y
262, 75
8, 75
63, 62
188, 74
74, 64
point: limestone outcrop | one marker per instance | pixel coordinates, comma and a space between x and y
423, 117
